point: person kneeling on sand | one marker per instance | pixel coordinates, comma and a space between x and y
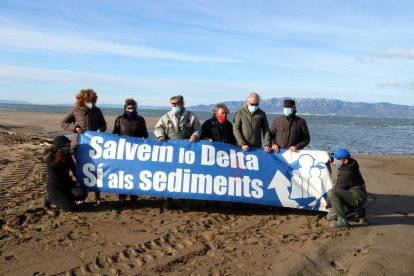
62, 190
348, 195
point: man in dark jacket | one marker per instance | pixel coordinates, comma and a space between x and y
349, 192
218, 128
289, 131
250, 123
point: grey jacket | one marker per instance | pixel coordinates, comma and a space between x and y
248, 128
172, 128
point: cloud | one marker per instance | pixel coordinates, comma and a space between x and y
395, 53
53, 41
396, 85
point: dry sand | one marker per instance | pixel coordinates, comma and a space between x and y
229, 240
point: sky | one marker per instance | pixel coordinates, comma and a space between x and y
208, 51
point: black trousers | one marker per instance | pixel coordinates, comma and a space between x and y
65, 199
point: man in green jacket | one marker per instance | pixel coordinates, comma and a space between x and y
250, 123
349, 192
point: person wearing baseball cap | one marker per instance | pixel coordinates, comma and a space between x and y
349, 194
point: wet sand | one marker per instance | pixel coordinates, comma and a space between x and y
207, 240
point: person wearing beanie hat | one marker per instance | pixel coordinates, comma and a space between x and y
130, 124
62, 190
289, 131
349, 194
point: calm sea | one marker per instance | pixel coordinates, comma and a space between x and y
328, 133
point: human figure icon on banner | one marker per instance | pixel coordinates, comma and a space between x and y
306, 181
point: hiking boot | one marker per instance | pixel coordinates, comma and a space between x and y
183, 204
46, 202
122, 201
331, 215
340, 223
98, 200
134, 199
357, 215
167, 204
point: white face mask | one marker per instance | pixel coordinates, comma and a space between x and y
130, 109
253, 108
89, 105
176, 109
287, 111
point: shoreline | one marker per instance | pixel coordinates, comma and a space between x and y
208, 240
47, 125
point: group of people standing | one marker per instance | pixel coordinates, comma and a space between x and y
249, 129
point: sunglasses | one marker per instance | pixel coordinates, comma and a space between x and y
255, 104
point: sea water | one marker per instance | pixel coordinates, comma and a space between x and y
358, 134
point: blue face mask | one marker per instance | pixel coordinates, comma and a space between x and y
287, 111
65, 149
338, 163
176, 109
253, 108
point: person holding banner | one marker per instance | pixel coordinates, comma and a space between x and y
179, 123
62, 190
250, 123
289, 131
349, 193
218, 128
130, 124
85, 115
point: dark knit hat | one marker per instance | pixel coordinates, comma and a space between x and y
289, 103
130, 101
60, 142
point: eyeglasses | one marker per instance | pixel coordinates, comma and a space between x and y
254, 104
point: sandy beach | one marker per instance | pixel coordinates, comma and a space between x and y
207, 240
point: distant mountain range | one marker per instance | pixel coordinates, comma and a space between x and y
103, 105
13, 102
327, 107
